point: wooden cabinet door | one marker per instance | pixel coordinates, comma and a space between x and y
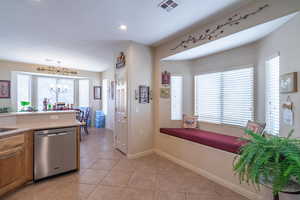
12, 165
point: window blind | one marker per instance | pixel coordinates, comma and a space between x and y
272, 95
105, 95
208, 97
84, 92
225, 97
176, 97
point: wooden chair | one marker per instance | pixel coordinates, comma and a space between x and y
83, 117
84, 120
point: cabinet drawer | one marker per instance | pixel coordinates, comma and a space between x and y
12, 165
11, 142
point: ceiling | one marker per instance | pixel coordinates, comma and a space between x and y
84, 34
232, 41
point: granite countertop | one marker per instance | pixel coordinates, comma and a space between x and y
20, 128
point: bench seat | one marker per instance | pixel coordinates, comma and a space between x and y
216, 140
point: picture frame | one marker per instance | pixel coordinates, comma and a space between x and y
144, 94
165, 93
288, 82
97, 92
4, 89
255, 127
121, 61
189, 121
165, 78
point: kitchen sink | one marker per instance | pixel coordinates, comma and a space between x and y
6, 129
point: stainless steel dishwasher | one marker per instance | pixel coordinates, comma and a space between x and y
55, 152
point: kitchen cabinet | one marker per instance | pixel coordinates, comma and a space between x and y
15, 161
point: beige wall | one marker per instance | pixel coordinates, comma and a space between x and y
110, 117
217, 166
110, 75
140, 129
286, 42
6, 67
181, 68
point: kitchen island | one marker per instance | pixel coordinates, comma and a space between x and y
17, 143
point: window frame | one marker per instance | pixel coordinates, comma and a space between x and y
89, 92
269, 58
34, 87
30, 89
182, 84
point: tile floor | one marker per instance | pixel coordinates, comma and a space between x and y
108, 175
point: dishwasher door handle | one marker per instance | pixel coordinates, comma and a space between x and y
65, 133
46, 135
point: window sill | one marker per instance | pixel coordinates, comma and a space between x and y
222, 125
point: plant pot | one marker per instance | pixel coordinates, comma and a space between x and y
292, 187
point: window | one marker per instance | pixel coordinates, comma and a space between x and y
225, 97
84, 93
23, 89
55, 90
67, 90
272, 95
43, 91
176, 97
105, 96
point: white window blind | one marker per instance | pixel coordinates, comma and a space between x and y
84, 93
225, 97
272, 95
105, 96
176, 97
208, 97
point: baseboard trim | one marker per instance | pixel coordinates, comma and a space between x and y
212, 177
139, 155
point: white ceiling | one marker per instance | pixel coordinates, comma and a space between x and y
84, 34
232, 41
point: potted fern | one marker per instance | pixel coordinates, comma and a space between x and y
271, 161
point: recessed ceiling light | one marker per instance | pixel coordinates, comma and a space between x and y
123, 27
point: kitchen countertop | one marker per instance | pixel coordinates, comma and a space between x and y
20, 128
37, 113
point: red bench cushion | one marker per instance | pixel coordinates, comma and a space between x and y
219, 141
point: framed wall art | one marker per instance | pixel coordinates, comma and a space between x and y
97, 92
165, 93
288, 83
144, 94
121, 61
165, 78
4, 89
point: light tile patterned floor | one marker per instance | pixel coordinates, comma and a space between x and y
108, 175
